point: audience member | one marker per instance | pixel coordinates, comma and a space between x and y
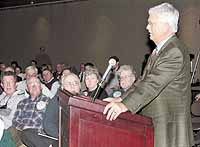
9, 98
49, 81
92, 79
18, 71
14, 64
34, 63
69, 82
8, 105
59, 69
126, 77
28, 118
10, 68
83, 68
66, 71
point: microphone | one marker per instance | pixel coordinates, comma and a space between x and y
112, 62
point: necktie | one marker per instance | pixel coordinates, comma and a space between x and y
155, 52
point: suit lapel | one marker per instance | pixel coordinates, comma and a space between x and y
153, 58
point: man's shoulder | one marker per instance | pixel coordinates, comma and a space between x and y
19, 93
24, 101
21, 85
2, 95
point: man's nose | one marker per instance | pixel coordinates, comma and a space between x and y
147, 27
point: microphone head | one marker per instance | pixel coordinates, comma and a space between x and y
112, 62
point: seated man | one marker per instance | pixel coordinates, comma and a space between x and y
31, 71
70, 83
9, 98
126, 77
8, 104
29, 115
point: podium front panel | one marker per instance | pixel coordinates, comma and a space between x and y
84, 125
93, 130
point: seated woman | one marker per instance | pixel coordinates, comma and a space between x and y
71, 83
92, 79
126, 77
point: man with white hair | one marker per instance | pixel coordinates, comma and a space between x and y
126, 77
163, 92
69, 82
28, 118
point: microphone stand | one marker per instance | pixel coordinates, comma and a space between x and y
97, 91
195, 68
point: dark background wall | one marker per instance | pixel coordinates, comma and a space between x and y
89, 30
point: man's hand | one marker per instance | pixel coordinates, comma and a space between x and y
114, 109
110, 99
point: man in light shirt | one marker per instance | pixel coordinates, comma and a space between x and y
9, 98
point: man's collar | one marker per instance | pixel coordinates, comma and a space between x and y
160, 44
15, 93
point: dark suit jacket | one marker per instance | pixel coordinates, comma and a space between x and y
51, 118
164, 94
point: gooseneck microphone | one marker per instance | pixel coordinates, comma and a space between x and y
112, 62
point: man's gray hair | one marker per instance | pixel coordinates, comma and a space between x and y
126, 68
35, 79
166, 13
31, 68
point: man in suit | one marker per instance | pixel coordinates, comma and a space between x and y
163, 92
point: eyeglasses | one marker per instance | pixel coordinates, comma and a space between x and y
125, 77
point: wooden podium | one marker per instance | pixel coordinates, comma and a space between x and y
82, 124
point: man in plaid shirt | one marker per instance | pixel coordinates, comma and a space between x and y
29, 115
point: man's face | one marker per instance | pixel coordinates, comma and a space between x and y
47, 75
9, 84
71, 84
34, 87
91, 81
17, 70
157, 29
59, 68
126, 79
30, 73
